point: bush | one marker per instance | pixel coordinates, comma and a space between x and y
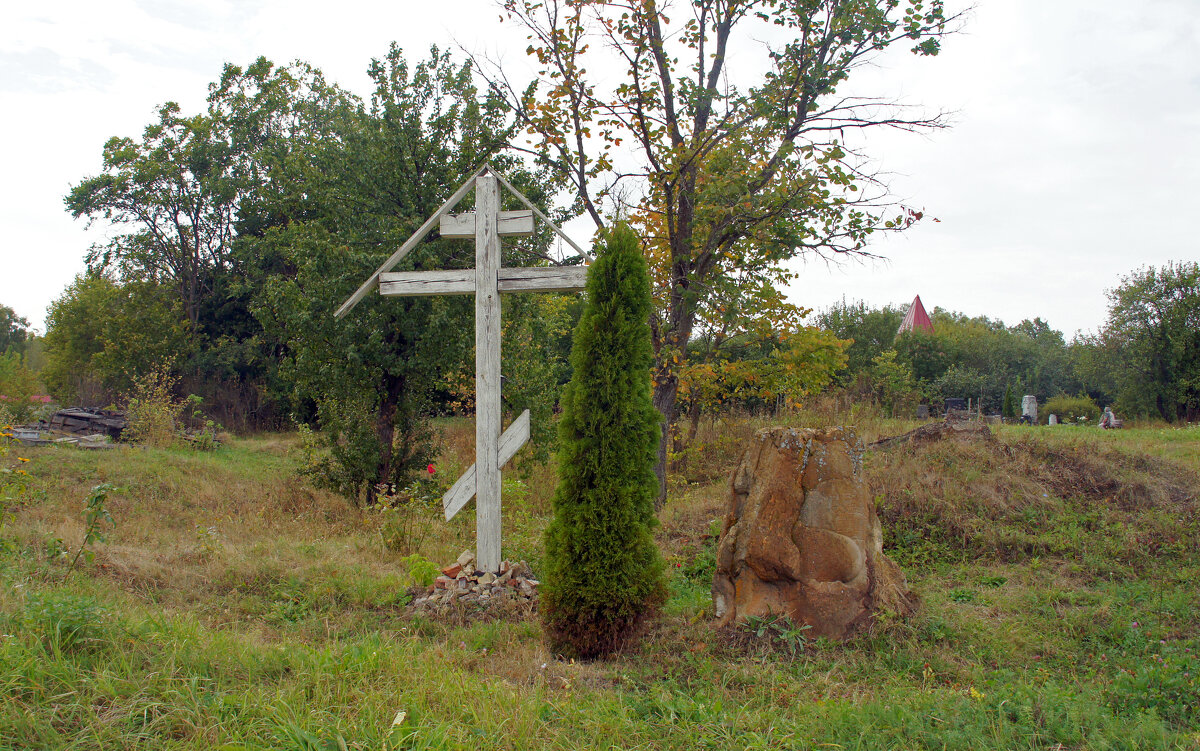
1069, 409
153, 412
18, 388
603, 573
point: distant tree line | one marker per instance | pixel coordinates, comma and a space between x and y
1144, 361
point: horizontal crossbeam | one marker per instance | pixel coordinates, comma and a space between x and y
424, 283
543, 279
463, 490
462, 281
509, 224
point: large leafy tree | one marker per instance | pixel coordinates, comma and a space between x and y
728, 171
1148, 353
603, 572
179, 200
353, 199
870, 331
175, 194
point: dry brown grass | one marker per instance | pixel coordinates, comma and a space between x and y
1019, 497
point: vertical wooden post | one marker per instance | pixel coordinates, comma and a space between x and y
487, 373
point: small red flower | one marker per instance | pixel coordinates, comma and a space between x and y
431, 469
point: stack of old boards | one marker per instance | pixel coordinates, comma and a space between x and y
77, 426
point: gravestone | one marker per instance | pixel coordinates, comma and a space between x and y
486, 225
1029, 407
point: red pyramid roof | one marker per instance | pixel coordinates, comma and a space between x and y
916, 318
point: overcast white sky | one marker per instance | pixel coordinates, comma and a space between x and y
1072, 161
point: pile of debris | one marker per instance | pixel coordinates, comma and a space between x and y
76, 426
87, 421
462, 582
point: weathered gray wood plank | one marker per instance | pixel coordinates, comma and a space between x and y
543, 279
463, 489
512, 224
424, 283
487, 374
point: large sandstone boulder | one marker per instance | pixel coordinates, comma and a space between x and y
802, 537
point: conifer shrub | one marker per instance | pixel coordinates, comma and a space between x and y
603, 575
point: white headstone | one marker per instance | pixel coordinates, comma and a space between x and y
1029, 407
1053, 420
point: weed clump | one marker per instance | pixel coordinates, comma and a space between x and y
603, 573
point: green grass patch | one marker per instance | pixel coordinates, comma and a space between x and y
232, 607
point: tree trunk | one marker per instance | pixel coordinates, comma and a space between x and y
385, 430
666, 388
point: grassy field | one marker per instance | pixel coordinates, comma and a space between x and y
233, 607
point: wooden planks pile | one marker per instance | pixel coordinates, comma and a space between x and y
85, 421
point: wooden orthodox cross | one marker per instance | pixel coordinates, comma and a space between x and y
487, 224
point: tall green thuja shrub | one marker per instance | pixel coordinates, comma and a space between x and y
603, 574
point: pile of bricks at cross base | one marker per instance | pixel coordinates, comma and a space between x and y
461, 582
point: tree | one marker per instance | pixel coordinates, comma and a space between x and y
102, 334
353, 199
870, 331
177, 194
895, 388
14, 330
1148, 352
726, 182
603, 573
769, 369
1009, 408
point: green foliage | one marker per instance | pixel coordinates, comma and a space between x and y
1070, 409
871, 331
153, 412
18, 387
65, 622
177, 193
894, 385
102, 335
14, 331
1165, 681
603, 573
421, 570
780, 631
407, 516
960, 382
95, 516
1009, 408
976, 358
1148, 352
